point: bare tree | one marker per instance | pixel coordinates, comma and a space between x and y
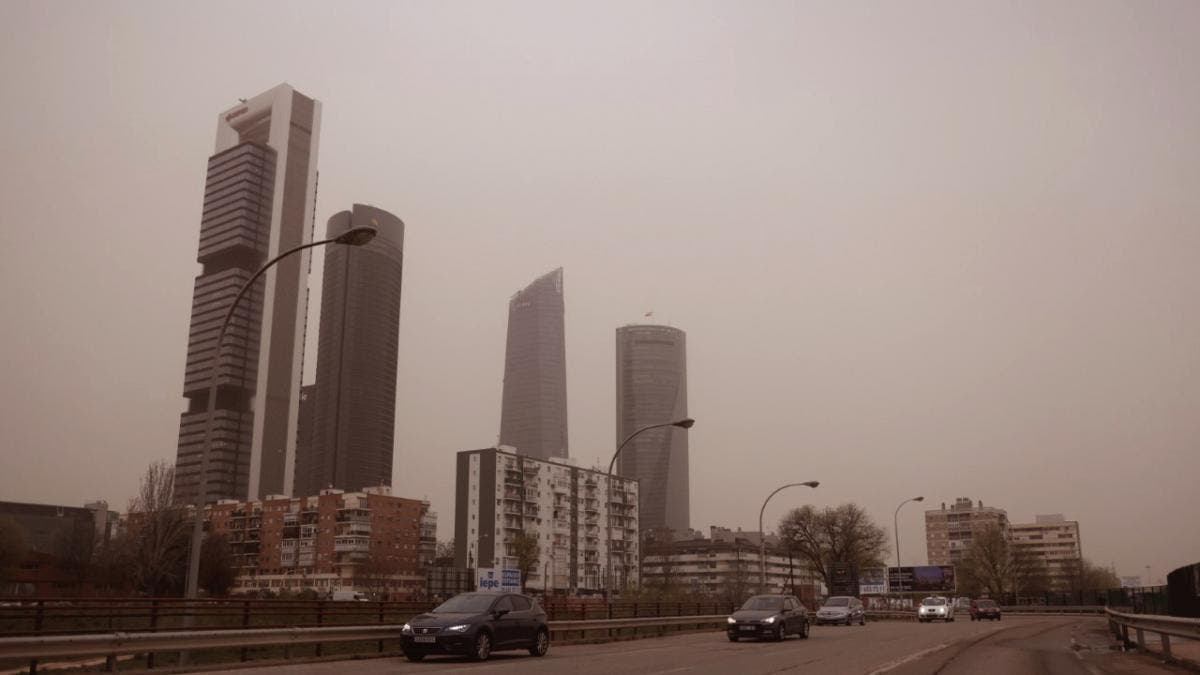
217, 574
445, 549
1086, 576
992, 564
76, 550
377, 572
158, 533
845, 533
525, 548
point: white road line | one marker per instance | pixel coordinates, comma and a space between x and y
892, 665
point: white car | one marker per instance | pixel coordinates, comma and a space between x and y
935, 608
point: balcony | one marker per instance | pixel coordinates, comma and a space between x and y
351, 544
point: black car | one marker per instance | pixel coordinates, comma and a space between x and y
769, 616
477, 624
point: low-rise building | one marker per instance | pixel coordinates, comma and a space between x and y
365, 541
727, 571
54, 539
1055, 541
584, 522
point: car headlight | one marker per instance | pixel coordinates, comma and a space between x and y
769, 619
731, 620
406, 628
460, 628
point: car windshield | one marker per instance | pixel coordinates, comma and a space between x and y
466, 603
933, 602
837, 602
764, 603
987, 603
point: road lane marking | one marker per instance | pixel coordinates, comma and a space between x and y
892, 665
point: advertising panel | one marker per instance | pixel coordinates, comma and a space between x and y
926, 579
872, 581
843, 579
491, 579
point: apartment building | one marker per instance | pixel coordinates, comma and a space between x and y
585, 525
1054, 540
366, 541
950, 530
725, 570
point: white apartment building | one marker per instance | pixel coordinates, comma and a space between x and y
725, 570
1053, 539
587, 533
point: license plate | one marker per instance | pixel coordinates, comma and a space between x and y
425, 638
747, 628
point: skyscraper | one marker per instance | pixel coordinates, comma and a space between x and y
652, 389
354, 415
259, 197
533, 416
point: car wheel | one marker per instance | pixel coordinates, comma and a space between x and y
483, 646
780, 632
804, 630
862, 620
541, 643
414, 657
733, 638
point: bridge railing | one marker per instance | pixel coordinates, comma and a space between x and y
1166, 627
115, 644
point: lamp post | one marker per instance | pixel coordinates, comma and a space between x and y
357, 236
685, 423
762, 537
896, 529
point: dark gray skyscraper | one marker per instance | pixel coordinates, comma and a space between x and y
259, 197
652, 389
533, 416
354, 414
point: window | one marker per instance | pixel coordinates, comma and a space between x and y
520, 603
504, 603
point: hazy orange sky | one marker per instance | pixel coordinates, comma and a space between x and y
937, 248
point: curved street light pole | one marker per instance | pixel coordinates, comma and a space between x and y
896, 525
357, 236
685, 423
762, 536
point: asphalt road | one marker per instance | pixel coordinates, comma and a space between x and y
1016, 645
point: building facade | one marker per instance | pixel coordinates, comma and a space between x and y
259, 198
365, 541
1055, 541
950, 531
354, 415
533, 411
51, 536
586, 529
726, 570
652, 389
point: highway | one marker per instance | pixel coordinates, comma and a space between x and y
1016, 645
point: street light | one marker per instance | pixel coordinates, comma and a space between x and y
896, 525
685, 423
762, 537
356, 236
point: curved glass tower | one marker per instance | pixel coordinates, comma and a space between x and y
652, 389
354, 414
533, 415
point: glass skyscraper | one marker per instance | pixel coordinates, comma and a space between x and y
533, 415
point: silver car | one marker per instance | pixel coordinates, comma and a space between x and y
842, 609
935, 608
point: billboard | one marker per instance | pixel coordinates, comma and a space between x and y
843, 579
491, 579
872, 581
927, 579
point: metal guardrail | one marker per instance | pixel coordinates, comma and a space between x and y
1052, 609
120, 643
1166, 626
